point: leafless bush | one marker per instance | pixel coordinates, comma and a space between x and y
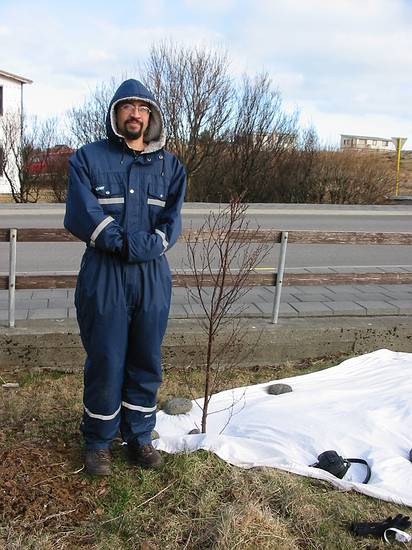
309, 173
22, 140
259, 136
293, 173
221, 256
347, 177
194, 88
87, 123
57, 175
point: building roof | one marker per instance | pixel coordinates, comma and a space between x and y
12, 76
365, 137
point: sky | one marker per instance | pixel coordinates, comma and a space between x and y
346, 65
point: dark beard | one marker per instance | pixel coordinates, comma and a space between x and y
130, 134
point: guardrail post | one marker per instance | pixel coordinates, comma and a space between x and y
279, 276
12, 276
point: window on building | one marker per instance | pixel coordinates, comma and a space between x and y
374, 142
385, 143
1, 100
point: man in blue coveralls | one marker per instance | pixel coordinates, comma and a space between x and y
124, 200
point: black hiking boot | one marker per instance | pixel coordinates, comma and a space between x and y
98, 462
144, 455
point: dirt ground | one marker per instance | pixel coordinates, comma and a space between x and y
43, 488
39, 485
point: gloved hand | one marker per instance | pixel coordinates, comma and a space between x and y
140, 246
377, 529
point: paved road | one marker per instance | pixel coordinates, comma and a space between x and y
397, 218
279, 216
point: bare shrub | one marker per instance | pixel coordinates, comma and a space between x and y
258, 137
221, 255
21, 141
235, 138
294, 172
87, 123
194, 88
57, 173
346, 177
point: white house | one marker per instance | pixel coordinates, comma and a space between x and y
11, 101
362, 143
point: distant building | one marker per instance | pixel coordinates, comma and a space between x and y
47, 161
362, 143
281, 139
11, 101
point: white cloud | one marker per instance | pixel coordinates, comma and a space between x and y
66, 64
210, 6
95, 54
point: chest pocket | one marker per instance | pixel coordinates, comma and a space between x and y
156, 198
157, 192
110, 194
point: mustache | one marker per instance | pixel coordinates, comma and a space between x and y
133, 119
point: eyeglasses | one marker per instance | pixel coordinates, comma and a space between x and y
129, 107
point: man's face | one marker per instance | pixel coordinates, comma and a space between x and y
132, 117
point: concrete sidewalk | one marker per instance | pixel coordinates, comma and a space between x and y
296, 302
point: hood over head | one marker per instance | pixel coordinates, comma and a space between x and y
155, 135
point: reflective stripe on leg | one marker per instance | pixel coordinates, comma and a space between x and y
138, 407
102, 416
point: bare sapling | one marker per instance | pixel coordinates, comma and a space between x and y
222, 254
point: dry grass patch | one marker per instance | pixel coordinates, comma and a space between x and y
250, 525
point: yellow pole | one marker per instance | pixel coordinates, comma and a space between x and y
398, 165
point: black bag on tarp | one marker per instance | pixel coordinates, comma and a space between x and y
338, 466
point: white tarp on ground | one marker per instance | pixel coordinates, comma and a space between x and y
361, 408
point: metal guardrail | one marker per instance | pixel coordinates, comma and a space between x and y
14, 281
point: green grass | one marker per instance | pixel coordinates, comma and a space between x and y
194, 501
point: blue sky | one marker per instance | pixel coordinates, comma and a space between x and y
345, 64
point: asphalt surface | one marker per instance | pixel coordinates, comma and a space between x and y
65, 257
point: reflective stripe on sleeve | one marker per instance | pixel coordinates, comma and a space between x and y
156, 202
138, 407
100, 228
117, 200
164, 242
102, 416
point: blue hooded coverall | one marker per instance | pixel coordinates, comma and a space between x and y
126, 208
